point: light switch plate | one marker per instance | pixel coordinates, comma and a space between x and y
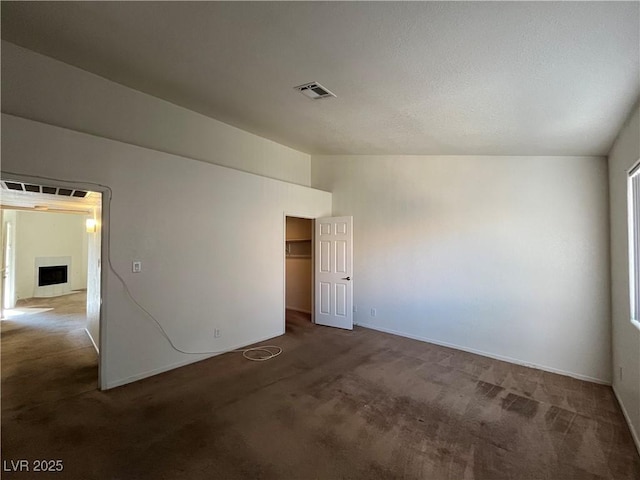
137, 267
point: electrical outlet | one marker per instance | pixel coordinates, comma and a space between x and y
373, 312
137, 267
216, 333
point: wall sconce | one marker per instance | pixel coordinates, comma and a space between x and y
91, 225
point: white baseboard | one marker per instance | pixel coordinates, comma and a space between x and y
487, 354
634, 434
156, 371
150, 373
299, 310
27, 299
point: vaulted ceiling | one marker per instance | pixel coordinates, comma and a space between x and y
495, 78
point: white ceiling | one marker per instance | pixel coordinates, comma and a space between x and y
494, 78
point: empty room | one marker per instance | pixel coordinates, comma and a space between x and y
326, 240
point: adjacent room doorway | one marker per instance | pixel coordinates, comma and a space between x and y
52, 284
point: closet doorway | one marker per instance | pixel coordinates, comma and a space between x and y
298, 271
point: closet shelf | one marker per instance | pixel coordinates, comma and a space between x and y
298, 248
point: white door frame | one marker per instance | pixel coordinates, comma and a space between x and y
104, 248
284, 266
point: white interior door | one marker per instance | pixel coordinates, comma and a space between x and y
94, 266
8, 273
3, 267
333, 272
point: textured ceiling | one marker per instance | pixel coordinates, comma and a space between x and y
495, 78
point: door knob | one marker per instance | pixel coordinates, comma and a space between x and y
346, 278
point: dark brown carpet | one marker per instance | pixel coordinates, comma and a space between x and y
335, 404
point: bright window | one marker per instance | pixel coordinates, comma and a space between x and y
633, 192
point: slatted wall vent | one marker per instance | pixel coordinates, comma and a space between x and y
28, 187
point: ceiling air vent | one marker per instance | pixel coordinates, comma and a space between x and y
314, 91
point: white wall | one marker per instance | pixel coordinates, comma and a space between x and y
626, 338
218, 263
210, 240
504, 256
41, 88
42, 234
